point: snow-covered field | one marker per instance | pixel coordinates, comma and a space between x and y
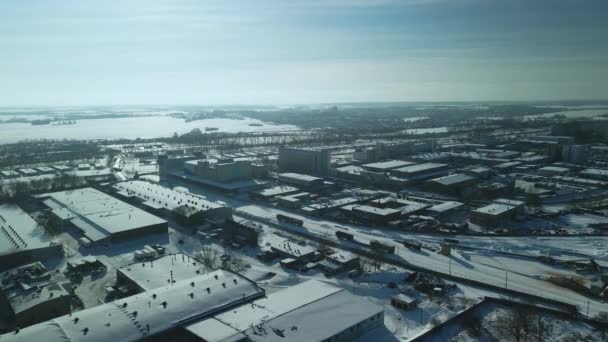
130, 128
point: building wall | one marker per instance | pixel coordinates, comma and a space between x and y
304, 160
353, 332
49, 309
484, 219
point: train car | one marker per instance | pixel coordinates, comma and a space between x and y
381, 247
412, 244
290, 220
344, 236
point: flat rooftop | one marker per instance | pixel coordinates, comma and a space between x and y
387, 165
97, 214
318, 310
445, 206
421, 167
156, 273
18, 231
495, 209
453, 179
163, 196
299, 176
277, 190
136, 317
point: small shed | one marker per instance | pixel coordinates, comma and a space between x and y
404, 302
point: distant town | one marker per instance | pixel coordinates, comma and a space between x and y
338, 222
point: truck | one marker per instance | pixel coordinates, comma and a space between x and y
290, 220
344, 236
378, 246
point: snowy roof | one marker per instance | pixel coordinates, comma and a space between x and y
404, 298
387, 165
495, 209
286, 246
163, 197
317, 310
299, 176
18, 231
421, 167
453, 179
445, 206
376, 211
157, 273
554, 169
277, 190
148, 313
342, 257
98, 215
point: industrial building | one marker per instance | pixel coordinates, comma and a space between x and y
159, 272
308, 160
164, 310
220, 170
300, 180
371, 214
310, 311
288, 249
99, 216
31, 294
275, 191
453, 184
21, 241
189, 209
445, 209
553, 171
340, 262
496, 213
386, 166
421, 171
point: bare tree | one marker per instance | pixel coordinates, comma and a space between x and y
517, 323
209, 257
236, 264
602, 319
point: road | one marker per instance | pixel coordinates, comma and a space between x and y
456, 264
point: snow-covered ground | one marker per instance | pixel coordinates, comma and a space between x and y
517, 276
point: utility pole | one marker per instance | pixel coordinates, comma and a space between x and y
450, 266
587, 307
506, 279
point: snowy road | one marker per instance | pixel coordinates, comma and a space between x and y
479, 268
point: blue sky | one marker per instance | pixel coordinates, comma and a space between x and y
84, 52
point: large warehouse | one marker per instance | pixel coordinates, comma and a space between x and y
149, 313
310, 311
100, 216
193, 209
21, 241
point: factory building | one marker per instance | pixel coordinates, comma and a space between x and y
340, 262
316, 161
500, 211
371, 214
420, 172
575, 154
31, 294
386, 166
452, 184
159, 272
100, 217
189, 209
220, 170
300, 180
21, 241
150, 314
310, 311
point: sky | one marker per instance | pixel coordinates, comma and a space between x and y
206, 52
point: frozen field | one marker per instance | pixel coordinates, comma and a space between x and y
130, 128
